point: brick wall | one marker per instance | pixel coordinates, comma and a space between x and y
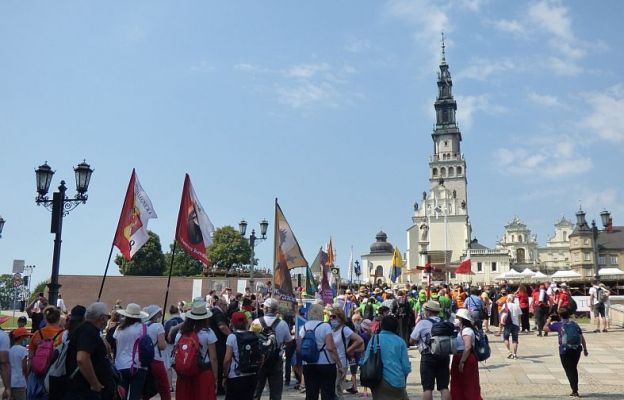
143, 290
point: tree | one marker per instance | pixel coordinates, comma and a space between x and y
183, 264
8, 292
228, 248
148, 261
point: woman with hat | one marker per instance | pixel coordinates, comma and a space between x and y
126, 356
203, 385
465, 367
156, 332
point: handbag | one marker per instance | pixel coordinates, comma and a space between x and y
371, 372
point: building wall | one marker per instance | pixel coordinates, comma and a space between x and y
485, 276
383, 260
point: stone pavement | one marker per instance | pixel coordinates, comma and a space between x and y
537, 373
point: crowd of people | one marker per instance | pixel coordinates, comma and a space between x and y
237, 344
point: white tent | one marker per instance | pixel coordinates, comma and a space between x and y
566, 275
527, 272
513, 274
539, 275
610, 272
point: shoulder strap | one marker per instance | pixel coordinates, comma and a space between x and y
57, 334
263, 323
274, 324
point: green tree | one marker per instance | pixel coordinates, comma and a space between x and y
183, 264
40, 288
8, 292
229, 248
148, 261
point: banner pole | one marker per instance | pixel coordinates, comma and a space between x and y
105, 272
175, 242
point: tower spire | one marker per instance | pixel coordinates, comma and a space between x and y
443, 50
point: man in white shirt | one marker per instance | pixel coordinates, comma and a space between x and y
512, 325
273, 371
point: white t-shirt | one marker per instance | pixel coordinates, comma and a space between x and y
515, 312
459, 340
5, 342
282, 332
206, 337
153, 330
340, 345
17, 353
60, 304
320, 334
231, 342
125, 345
592, 295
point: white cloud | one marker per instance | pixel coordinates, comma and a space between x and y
510, 25
468, 106
306, 71
304, 95
472, 5
565, 67
552, 17
544, 100
356, 46
547, 156
202, 66
606, 118
482, 69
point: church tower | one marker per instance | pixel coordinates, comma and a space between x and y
440, 225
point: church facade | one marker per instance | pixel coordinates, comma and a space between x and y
440, 226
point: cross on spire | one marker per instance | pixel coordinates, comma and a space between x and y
443, 50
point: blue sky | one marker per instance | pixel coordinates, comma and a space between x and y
327, 106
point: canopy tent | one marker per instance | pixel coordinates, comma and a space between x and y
540, 275
566, 275
511, 274
527, 272
610, 272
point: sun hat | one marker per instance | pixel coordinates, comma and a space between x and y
133, 310
151, 311
198, 310
19, 333
464, 314
432, 306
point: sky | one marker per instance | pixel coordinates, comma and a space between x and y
326, 105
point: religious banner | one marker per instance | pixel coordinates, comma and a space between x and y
194, 228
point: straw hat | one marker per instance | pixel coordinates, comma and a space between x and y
198, 311
432, 306
151, 311
464, 314
133, 310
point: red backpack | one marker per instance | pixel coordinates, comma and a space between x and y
187, 357
43, 355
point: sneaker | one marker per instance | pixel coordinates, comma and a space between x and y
539, 334
352, 390
604, 331
595, 331
510, 355
515, 357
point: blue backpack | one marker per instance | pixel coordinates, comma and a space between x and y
145, 347
482, 346
570, 337
309, 351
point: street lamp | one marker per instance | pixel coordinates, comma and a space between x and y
2, 221
605, 217
60, 205
242, 229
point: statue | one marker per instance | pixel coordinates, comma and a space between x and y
424, 196
424, 235
416, 206
454, 193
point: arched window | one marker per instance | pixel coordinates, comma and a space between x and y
459, 171
513, 238
379, 272
451, 171
520, 238
565, 236
443, 171
434, 172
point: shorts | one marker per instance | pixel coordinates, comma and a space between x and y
434, 369
599, 309
513, 331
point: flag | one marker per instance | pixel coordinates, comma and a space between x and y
330, 266
137, 210
351, 266
194, 229
397, 265
311, 285
465, 267
288, 254
327, 294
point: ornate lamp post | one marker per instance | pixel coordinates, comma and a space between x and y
60, 205
242, 228
605, 217
2, 221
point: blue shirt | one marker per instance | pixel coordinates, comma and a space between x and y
557, 326
473, 303
396, 364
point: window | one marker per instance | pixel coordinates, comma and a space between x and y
614, 260
479, 266
586, 256
565, 236
493, 266
459, 171
451, 171
586, 242
443, 171
576, 257
601, 260
453, 276
434, 172
513, 238
520, 238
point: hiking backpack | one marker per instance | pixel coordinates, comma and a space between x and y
145, 347
601, 295
268, 342
187, 359
309, 351
249, 353
57, 375
570, 337
482, 346
441, 341
43, 355
506, 318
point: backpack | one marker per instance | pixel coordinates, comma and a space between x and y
145, 347
43, 355
572, 306
570, 337
268, 342
187, 359
441, 341
601, 295
403, 308
170, 324
506, 318
57, 374
482, 346
309, 351
369, 311
249, 353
